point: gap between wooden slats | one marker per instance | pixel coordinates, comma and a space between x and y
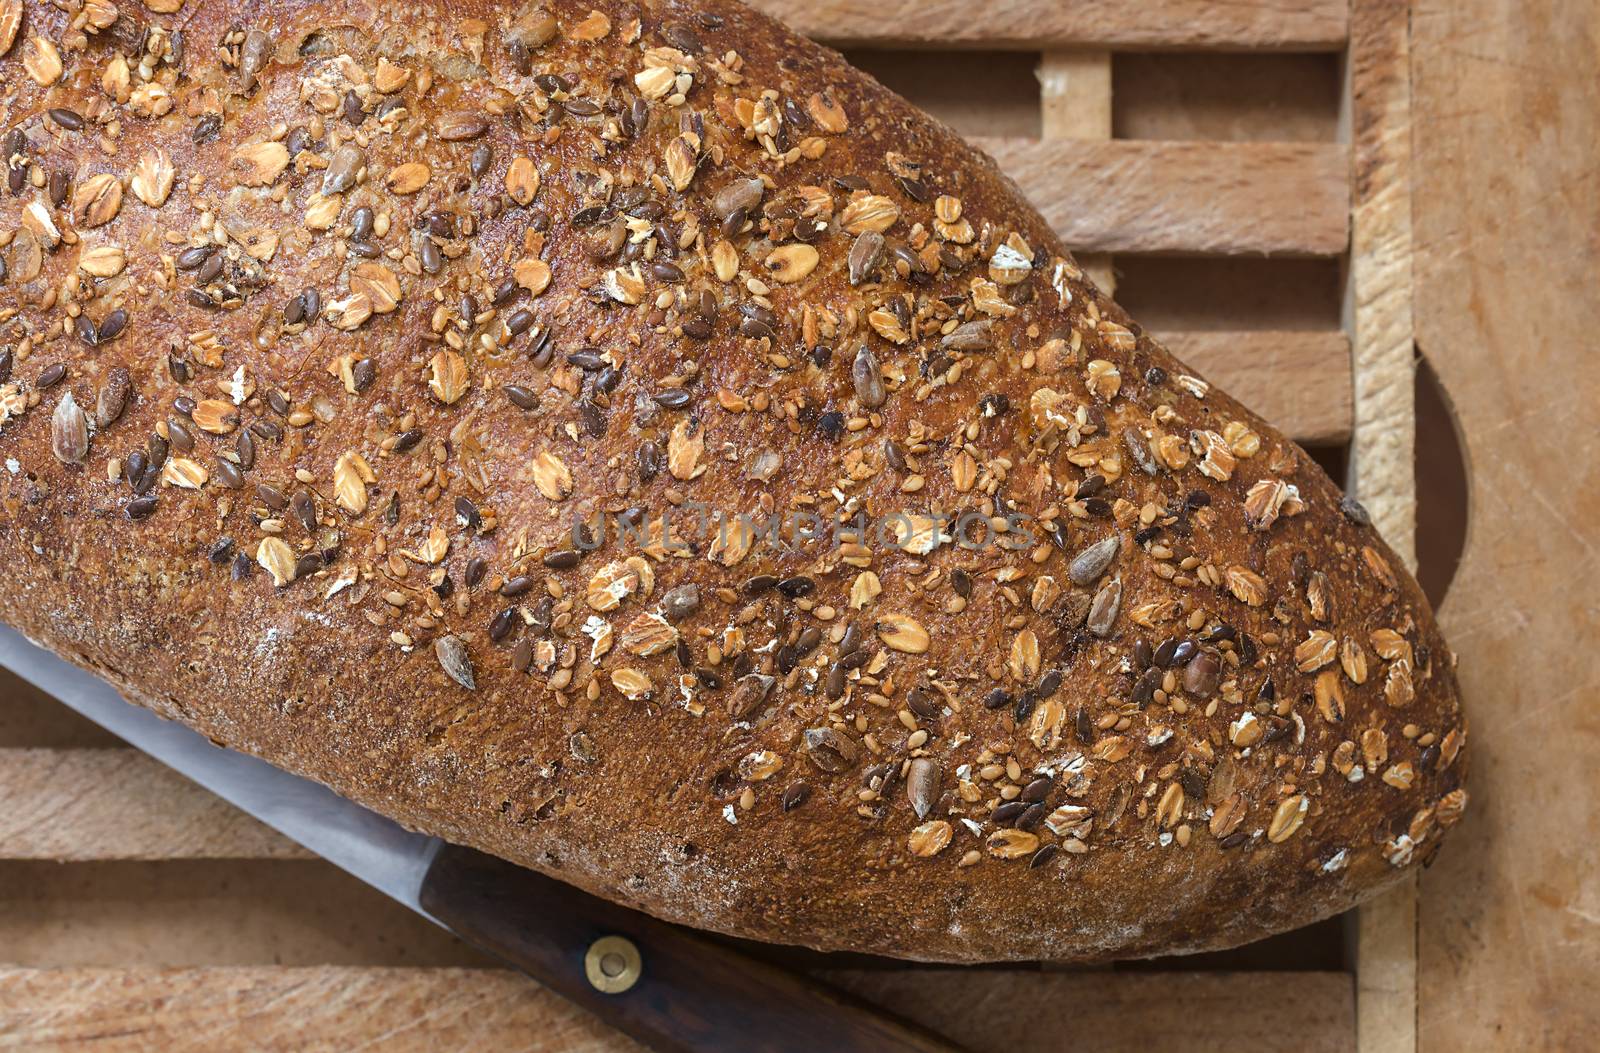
1075, 104
1128, 195
223, 1009
1287, 25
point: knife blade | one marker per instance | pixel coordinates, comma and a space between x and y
663, 985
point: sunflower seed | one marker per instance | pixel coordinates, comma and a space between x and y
1103, 611
680, 602
1088, 565
460, 125
922, 785
830, 750
254, 55
867, 377
343, 168
113, 397
741, 195
69, 431
751, 694
453, 657
865, 255
969, 336
1202, 674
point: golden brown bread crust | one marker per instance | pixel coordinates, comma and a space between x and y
1235, 718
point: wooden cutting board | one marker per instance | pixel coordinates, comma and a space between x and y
1507, 267
278, 950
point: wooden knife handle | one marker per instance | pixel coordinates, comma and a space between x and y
690, 994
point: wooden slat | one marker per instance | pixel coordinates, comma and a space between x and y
1378, 311
210, 912
1378, 315
119, 804
1300, 381
329, 1008
1190, 197
1289, 25
1386, 971
225, 1009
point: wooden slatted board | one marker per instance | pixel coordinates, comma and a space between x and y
1223, 164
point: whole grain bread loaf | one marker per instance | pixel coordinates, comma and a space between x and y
622, 437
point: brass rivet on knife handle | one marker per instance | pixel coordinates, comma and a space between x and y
613, 964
